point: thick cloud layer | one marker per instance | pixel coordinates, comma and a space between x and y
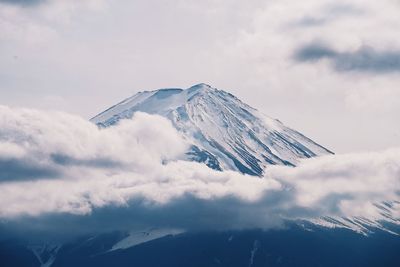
57, 167
60, 163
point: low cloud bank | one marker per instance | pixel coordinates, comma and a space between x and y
57, 167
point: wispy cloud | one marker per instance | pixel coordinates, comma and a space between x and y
23, 2
327, 14
314, 52
365, 59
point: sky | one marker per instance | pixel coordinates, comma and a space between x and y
330, 69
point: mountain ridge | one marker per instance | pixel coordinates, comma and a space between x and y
224, 132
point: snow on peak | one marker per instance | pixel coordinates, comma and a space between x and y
201, 87
225, 133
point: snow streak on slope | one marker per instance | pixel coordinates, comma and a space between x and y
139, 237
225, 133
387, 219
45, 253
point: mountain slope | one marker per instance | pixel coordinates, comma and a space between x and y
225, 133
292, 246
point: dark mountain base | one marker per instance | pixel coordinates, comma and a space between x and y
16, 254
293, 247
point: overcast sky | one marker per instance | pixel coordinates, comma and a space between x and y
330, 69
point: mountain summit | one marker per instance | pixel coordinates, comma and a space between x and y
225, 133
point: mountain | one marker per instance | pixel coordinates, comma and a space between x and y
227, 134
224, 132
291, 246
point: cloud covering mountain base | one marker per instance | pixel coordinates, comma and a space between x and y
57, 167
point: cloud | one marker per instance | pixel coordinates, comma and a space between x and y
14, 170
327, 14
139, 158
134, 175
314, 52
23, 2
365, 59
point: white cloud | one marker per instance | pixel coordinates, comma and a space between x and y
360, 179
56, 163
96, 167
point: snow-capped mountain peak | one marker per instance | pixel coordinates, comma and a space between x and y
225, 133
